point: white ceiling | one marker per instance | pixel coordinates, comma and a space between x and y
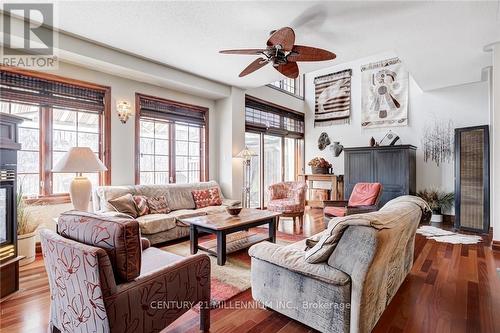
440, 42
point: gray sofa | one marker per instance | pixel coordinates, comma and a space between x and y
348, 292
160, 228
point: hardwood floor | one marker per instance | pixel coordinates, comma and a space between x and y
451, 288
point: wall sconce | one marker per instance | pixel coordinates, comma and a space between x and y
123, 109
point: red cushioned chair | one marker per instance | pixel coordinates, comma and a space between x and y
364, 199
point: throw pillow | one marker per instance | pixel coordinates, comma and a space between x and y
124, 204
141, 202
321, 246
158, 205
207, 197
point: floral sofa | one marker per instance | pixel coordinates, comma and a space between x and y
160, 228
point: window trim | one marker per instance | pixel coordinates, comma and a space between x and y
104, 134
303, 78
204, 168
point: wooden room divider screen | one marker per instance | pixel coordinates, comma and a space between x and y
472, 178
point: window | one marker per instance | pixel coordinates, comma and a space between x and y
293, 87
60, 114
172, 142
277, 136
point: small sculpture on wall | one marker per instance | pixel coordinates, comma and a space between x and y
323, 141
437, 142
337, 149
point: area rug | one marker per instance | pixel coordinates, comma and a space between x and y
445, 236
234, 277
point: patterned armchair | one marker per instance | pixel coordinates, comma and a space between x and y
104, 278
289, 199
364, 199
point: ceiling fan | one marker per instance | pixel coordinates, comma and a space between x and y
282, 53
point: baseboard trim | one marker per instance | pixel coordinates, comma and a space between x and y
495, 245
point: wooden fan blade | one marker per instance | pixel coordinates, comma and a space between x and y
290, 69
307, 53
243, 51
284, 37
255, 65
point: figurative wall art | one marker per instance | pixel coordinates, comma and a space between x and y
333, 99
384, 94
437, 142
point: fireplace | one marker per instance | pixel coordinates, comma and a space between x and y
9, 260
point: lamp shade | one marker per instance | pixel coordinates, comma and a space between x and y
246, 154
79, 159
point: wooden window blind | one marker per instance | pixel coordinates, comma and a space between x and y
262, 117
24, 89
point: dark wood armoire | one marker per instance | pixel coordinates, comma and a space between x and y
392, 166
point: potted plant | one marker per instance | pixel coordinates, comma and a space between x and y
438, 201
320, 166
25, 231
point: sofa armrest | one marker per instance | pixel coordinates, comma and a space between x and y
198, 265
145, 243
293, 259
361, 209
335, 203
231, 202
157, 298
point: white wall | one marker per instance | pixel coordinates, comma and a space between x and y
277, 97
123, 135
495, 144
465, 105
230, 116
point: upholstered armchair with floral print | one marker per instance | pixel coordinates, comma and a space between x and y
289, 199
111, 286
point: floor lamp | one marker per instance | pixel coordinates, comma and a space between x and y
246, 155
80, 160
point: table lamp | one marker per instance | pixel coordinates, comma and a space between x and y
80, 160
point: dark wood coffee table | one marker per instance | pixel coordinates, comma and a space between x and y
223, 224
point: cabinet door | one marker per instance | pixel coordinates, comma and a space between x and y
391, 170
358, 169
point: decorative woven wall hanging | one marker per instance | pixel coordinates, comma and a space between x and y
333, 98
384, 94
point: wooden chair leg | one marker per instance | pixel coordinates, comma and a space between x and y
301, 221
293, 217
205, 317
277, 222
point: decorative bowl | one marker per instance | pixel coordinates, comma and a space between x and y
234, 211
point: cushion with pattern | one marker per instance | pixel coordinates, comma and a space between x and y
207, 197
141, 203
158, 205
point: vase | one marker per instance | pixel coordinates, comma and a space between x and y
26, 248
372, 142
317, 170
337, 148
